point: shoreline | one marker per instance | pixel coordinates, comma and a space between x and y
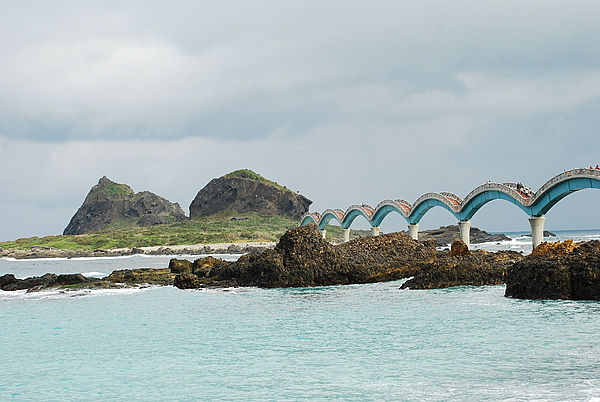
195, 249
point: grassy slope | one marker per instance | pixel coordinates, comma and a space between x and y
249, 174
218, 228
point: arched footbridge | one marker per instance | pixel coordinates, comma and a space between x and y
535, 204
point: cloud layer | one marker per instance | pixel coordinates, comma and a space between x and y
345, 101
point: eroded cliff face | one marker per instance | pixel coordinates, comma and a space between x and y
109, 202
244, 195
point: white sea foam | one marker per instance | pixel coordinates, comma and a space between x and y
94, 274
50, 294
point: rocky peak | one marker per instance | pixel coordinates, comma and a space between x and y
105, 181
109, 202
245, 191
107, 189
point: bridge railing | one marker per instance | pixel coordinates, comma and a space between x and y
365, 208
403, 202
496, 187
402, 206
451, 196
435, 196
567, 174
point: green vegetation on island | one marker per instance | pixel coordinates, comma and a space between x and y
218, 228
113, 191
249, 174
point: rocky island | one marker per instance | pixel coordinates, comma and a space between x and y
239, 207
110, 203
244, 191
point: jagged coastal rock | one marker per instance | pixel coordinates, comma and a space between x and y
461, 267
303, 258
245, 191
558, 270
117, 279
109, 202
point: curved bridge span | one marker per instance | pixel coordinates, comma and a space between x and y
535, 204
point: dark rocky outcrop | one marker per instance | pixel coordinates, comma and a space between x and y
117, 279
138, 276
245, 191
303, 258
459, 249
178, 266
558, 270
445, 235
109, 202
9, 282
479, 268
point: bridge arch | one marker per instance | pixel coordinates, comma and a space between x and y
561, 186
385, 207
536, 205
485, 193
428, 201
328, 215
354, 211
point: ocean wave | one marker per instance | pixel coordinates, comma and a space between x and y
51, 294
94, 274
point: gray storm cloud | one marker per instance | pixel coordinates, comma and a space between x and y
385, 99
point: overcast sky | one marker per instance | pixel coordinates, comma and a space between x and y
344, 101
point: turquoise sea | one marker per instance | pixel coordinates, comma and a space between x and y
370, 342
